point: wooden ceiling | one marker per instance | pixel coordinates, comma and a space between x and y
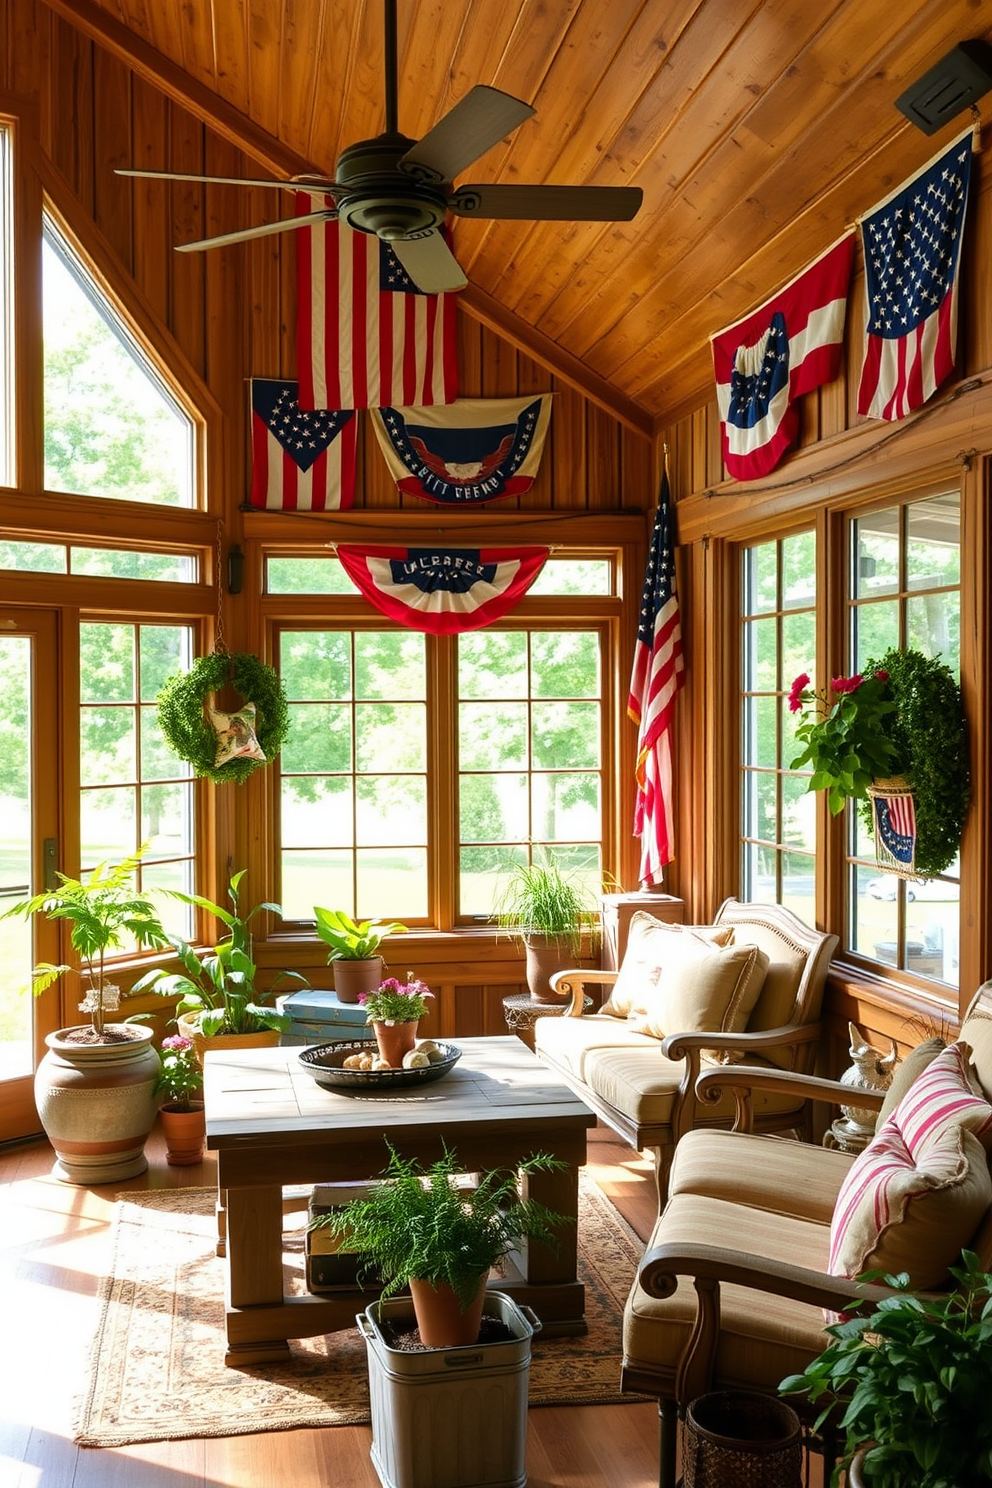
758, 129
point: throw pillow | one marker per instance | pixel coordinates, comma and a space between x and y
648, 942
702, 988
906, 1074
947, 1091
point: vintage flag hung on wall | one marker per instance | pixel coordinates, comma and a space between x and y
912, 247
789, 346
443, 590
894, 815
367, 337
466, 452
301, 460
658, 673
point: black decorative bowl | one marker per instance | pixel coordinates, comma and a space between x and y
325, 1063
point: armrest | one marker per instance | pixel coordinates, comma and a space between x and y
572, 983
678, 1045
743, 1079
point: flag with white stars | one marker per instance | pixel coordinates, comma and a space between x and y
788, 347
658, 673
302, 460
912, 247
366, 336
463, 453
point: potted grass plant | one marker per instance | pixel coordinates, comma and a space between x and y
353, 950
549, 910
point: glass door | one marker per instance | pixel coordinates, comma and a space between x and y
29, 774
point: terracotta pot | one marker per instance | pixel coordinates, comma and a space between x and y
545, 957
440, 1319
97, 1103
353, 977
186, 1023
185, 1133
395, 1040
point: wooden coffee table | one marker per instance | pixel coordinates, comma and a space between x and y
271, 1124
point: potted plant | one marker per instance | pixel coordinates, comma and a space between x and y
95, 1087
180, 1082
422, 1230
217, 995
394, 1009
354, 950
548, 910
911, 1381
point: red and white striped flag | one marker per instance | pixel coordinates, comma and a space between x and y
658, 673
301, 460
367, 337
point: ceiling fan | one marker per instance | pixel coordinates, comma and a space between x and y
402, 189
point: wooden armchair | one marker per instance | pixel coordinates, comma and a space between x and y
640, 1076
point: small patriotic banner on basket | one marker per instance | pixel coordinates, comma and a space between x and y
443, 590
894, 813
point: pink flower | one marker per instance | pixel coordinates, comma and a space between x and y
881, 676
847, 684
178, 1042
796, 692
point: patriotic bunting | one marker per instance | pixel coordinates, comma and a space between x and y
467, 452
791, 345
443, 590
894, 816
912, 246
301, 460
367, 337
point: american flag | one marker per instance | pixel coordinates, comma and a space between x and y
912, 245
658, 673
301, 460
367, 337
895, 829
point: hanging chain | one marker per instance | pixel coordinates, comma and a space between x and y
220, 644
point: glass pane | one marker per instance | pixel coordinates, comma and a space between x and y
760, 579
391, 736
106, 663
389, 810
397, 878
565, 735
310, 878
761, 655
108, 748
933, 919
315, 665
108, 825
112, 428
162, 651
161, 881
933, 626
157, 760
492, 736
167, 819
933, 537
876, 550
574, 576
31, 557
798, 884
759, 742
390, 664
763, 864
799, 570
791, 747
798, 813
482, 869
765, 789
565, 664
493, 808
6, 310
876, 631
16, 948
319, 738
118, 563
317, 813
492, 664
307, 576
565, 807
798, 647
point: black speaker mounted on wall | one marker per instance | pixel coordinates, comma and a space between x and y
954, 84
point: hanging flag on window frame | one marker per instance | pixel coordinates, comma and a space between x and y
443, 591
788, 347
467, 452
302, 460
658, 674
367, 337
912, 248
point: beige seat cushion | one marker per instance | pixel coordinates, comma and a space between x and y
649, 942
567, 1042
761, 1172
642, 1083
762, 1337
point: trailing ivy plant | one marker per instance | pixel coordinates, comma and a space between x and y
930, 741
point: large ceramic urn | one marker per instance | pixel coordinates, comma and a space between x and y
96, 1099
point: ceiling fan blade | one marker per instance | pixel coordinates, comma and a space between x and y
476, 123
287, 224
429, 262
548, 203
227, 180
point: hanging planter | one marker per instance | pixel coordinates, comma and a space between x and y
225, 745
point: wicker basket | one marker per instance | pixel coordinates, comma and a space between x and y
740, 1439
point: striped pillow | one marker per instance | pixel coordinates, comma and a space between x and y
919, 1191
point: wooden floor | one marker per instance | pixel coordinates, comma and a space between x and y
53, 1251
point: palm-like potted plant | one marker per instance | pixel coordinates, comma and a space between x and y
354, 950
910, 1384
549, 910
95, 1088
217, 995
421, 1229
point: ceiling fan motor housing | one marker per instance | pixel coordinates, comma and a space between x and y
374, 196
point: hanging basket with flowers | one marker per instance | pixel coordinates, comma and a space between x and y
894, 738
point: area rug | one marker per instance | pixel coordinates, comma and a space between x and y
157, 1368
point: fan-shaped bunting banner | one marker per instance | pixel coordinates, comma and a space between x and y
443, 590
466, 452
